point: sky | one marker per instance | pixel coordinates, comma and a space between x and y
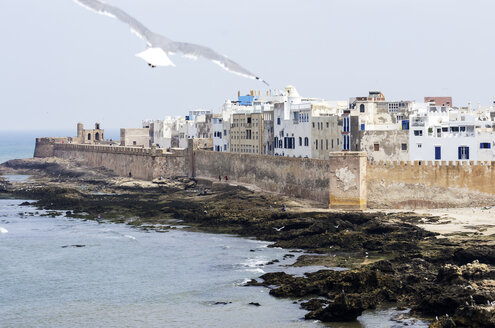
61, 64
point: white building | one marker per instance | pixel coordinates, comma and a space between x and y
163, 133
439, 133
218, 133
306, 127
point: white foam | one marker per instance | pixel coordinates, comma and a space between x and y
252, 263
3, 230
243, 283
256, 270
130, 237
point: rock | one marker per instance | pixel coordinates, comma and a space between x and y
343, 308
255, 303
315, 304
471, 271
443, 322
485, 254
475, 316
76, 246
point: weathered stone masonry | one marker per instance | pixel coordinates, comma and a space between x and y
346, 180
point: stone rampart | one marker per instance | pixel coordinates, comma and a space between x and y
299, 177
45, 146
141, 163
346, 180
429, 184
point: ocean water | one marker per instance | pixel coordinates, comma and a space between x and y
124, 277
20, 144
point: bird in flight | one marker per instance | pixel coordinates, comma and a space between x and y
159, 46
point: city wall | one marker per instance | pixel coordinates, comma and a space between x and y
140, 163
344, 181
298, 177
429, 184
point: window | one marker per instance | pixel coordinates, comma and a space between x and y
313, 125
327, 125
454, 129
346, 142
418, 133
403, 146
420, 145
438, 153
300, 141
332, 143
463, 152
306, 141
362, 127
316, 143
278, 120
346, 123
361, 108
485, 145
376, 147
326, 144
445, 129
275, 143
463, 128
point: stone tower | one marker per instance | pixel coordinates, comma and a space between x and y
80, 133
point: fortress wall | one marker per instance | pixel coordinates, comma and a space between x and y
142, 163
299, 177
45, 146
343, 181
430, 184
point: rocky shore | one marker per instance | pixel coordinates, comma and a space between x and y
387, 256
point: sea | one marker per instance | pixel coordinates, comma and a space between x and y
57, 271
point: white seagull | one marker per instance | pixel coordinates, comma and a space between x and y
279, 229
159, 47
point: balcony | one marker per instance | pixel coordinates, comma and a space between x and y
417, 122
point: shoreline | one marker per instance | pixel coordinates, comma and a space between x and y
391, 257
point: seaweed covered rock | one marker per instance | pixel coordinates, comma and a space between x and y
343, 308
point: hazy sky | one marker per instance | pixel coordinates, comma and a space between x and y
61, 63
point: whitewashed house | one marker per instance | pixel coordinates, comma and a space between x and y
440, 133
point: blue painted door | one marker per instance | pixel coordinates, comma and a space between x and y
438, 152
